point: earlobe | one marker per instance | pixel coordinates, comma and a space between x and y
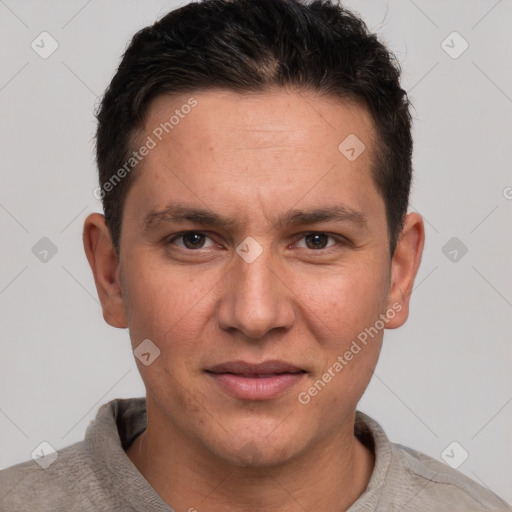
404, 267
104, 264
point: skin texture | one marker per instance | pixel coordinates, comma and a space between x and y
253, 158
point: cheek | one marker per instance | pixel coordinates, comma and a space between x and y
346, 301
160, 300
343, 312
169, 308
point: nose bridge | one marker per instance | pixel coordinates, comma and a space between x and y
255, 301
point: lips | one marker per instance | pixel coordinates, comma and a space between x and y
248, 381
265, 369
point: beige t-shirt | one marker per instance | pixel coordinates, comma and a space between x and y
96, 474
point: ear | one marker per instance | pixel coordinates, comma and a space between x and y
404, 267
104, 263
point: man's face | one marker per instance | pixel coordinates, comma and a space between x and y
299, 291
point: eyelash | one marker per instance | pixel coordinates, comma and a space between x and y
337, 238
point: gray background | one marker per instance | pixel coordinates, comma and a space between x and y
445, 376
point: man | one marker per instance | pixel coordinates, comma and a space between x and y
255, 167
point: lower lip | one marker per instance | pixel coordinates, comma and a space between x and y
256, 388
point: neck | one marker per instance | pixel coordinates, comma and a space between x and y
329, 476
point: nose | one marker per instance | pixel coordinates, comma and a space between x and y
255, 299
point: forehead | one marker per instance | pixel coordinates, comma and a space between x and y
279, 118
256, 152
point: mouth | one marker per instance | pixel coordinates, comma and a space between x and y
263, 381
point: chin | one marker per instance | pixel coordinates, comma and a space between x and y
260, 451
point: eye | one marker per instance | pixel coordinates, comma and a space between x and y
190, 240
316, 241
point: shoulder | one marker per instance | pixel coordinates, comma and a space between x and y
65, 484
437, 486
93, 474
407, 480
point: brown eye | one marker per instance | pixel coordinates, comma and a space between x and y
191, 240
316, 240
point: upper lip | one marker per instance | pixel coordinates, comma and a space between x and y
264, 368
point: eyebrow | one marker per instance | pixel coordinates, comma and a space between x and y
336, 213
180, 213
